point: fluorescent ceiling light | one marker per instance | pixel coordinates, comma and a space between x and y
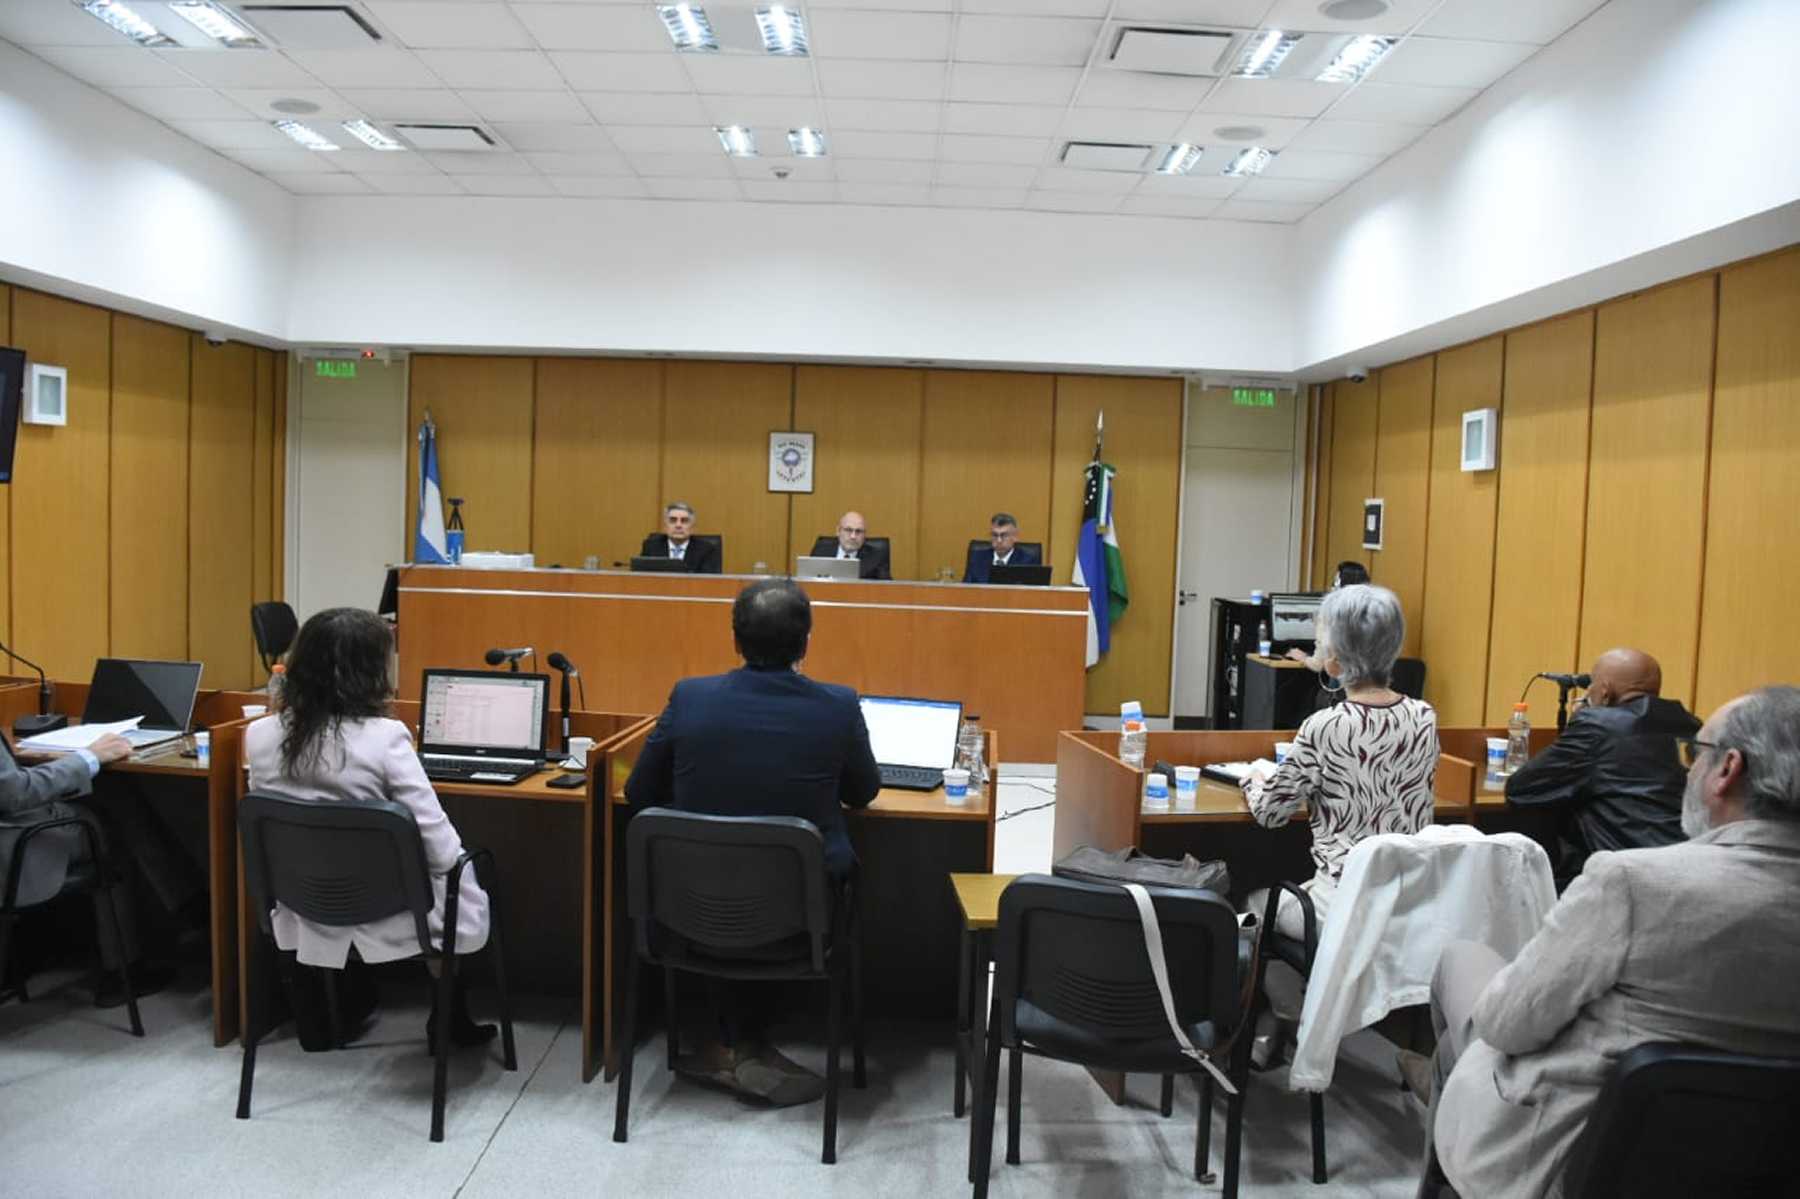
783, 31
216, 23
306, 135
1250, 161
1356, 59
1263, 53
370, 136
1178, 160
738, 141
688, 26
806, 143
127, 22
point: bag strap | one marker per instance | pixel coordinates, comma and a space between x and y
1158, 967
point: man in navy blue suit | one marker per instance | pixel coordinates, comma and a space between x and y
1003, 537
763, 740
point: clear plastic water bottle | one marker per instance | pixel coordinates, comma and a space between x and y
453, 534
1264, 645
1518, 739
971, 752
277, 680
1133, 738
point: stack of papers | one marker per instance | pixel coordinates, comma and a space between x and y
76, 736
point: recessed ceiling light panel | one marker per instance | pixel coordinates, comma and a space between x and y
739, 142
307, 136
688, 27
1179, 159
1263, 53
806, 143
216, 23
124, 20
1249, 161
1356, 59
783, 30
370, 136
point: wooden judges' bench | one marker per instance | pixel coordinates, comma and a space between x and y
634, 635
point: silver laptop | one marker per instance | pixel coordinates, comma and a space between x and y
162, 693
809, 567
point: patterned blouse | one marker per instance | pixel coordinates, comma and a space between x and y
1361, 769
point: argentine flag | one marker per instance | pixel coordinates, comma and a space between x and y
429, 545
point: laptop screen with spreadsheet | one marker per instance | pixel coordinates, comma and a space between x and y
912, 732
481, 712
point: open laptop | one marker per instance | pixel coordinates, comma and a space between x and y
1030, 575
914, 739
160, 692
482, 726
806, 566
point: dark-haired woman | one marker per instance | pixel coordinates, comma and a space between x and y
333, 739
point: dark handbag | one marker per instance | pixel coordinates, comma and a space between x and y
1089, 865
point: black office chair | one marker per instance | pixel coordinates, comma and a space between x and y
1298, 954
1408, 677
718, 541
744, 898
85, 876
273, 624
1073, 982
983, 543
354, 862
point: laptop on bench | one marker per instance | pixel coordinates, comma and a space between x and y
914, 739
160, 692
482, 726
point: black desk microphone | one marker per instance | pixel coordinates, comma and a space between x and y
567, 667
495, 657
44, 721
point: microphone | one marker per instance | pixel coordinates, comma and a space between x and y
43, 722
567, 667
496, 656
1569, 680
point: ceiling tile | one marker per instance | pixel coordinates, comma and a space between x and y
555, 138
785, 112
1273, 132
1400, 16
1238, 14
528, 106
589, 186
589, 165
1013, 85
969, 147
1037, 8
1209, 186
236, 68
862, 143
449, 25
1074, 201
55, 23
588, 72
871, 170
980, 197
115, 66
790, 191
384, 162
258, 101
414, 185
1441, 62
847, 33
1181, 206
1065, 179
1402, 103
1012, 120
505, 185
1272, 97
480, 162
247, 134
665, 139
363, 68
1536, 21
895, 5
1291, 191
632, 27
282, 162
986, 174
877, 80
320, 185
1357, 137
409, 104
883, 193
1038, 41
1120, 125
1252, 210
1317, 164
683, 166
750, 75
802, 169
515, 70
1141, 89
646, 108
904, 116
693, 189
179, 103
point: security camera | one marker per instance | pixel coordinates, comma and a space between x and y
782, 172
1357, 374
215, 338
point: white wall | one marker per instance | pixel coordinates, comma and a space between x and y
100, 202
1655, 139
794, 281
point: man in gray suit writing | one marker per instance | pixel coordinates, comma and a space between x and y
1696, 942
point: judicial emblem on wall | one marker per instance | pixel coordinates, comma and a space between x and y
790, 461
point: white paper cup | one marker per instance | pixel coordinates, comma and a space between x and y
252, 711
1187, 787
1496, 754
1282, 750
578, 750
1156, 792
203, 748
956, 785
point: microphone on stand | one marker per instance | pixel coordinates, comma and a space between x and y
1565, 683
511, 656
557, 660
1569, 680
43, 722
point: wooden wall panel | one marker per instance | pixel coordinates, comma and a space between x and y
149, 489
1753, 534
1647, 477
221, 522
1355, 411
278, 483
1459, 538
59, 492
717, 417
868, 422
482, 408
595, 477
1403, 479
1542, 507
987, 448
262, 483
6, 494
1143, 441
1320, 578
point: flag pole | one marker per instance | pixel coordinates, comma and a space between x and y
1099, 433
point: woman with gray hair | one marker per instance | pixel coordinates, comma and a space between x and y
1361, 767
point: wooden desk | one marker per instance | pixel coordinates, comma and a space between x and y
637, 634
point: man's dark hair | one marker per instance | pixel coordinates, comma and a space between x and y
771, 620
1004, 518
1351, 572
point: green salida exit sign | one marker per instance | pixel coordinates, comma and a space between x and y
1253, 397
344, 368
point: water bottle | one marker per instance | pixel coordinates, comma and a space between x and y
1263, 643
453, 534
971, 752
1132, 737
277, 681
1518, 739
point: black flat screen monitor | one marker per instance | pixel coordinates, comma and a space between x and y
667, 566
1033, 575
12, 398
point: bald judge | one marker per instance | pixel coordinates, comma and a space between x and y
1613, 776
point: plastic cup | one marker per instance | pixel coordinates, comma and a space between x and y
203, 748
1282, 750
1496, 756
578, 750
252, 711
956, 785
1156, 792
1187, 787
1256, 596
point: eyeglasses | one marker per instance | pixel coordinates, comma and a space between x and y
1688, 750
